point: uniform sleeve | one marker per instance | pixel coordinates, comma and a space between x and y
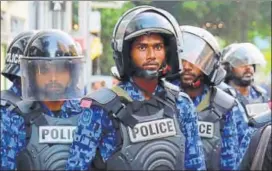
244, 131
230, 143
86, 139
12, 138
194, 155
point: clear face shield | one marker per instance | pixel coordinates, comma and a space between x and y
198, 52
52, 80
245, 54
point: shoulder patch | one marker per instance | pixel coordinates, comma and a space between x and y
85, 103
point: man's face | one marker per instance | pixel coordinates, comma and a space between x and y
189, 74
52, 79
244, 73
148, 52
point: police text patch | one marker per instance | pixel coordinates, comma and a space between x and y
56, 134
205, 129
152, 130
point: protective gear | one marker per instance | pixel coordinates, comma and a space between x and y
14, 52
148, 130
41, 155
211, 114
140, 21
241, 54
48, 54
201, 49
262, 99
255, 154
257, 111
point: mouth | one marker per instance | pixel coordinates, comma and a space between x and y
151, 67
188, 76
248, 75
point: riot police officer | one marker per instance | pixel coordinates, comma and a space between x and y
139, 125
222, 128
43, 122
11, 72
240, 61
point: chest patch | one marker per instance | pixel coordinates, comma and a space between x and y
205, 129
56, 134
152, 130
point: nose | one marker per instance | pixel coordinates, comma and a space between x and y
53, 74
151, 53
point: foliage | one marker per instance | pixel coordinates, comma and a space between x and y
109, 18
230, 21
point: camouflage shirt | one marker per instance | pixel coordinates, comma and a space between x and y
95, 120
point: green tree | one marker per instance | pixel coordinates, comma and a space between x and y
109, 18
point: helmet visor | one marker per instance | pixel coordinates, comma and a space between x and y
244, 54
198, 52
52, 80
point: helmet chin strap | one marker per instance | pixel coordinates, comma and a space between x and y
196, 83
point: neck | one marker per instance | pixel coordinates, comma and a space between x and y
243, 90
53, 105
194, 92
148, 85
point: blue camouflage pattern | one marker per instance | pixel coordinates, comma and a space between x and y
13, 135
236, 133
94, 120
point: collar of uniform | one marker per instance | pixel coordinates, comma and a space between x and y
16, 87
253, 94
134, 92
199, 98
176, 82
68, 109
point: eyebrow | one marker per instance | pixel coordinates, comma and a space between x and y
146, 43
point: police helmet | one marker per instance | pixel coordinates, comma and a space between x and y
14, 52
202, 49
139, 21
54, 52
241, 54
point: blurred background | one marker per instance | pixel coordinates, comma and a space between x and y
91, 24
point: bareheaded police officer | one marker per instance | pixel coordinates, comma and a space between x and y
222, 128
44, 119
139, 124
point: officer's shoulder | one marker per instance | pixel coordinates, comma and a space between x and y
259, 89
9, 102
227, 88
223, 99
182, 96
101, 96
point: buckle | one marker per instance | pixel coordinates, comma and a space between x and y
115, 115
